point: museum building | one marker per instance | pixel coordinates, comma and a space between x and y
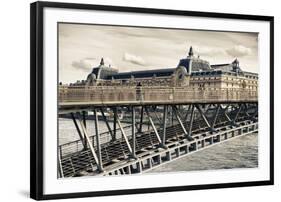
191, 71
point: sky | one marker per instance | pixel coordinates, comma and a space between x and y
81, 48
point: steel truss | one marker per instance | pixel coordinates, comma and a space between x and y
193, 127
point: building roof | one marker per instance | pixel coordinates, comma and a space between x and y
185, 63
102, 71
219, 65
143, 74
207, 73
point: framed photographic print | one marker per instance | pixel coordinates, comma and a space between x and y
136, 100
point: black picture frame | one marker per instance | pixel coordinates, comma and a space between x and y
36, 98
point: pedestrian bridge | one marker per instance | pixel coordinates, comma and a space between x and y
162, 124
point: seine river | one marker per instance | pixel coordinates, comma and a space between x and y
241, 152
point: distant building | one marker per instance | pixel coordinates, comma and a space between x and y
191, 72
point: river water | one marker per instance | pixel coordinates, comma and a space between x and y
241, 152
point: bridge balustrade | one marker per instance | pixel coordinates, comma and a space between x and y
103, 95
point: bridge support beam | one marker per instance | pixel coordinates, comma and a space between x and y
156, 115
133, 133
239, 110
114, 122
181, 124
141, 120
91, 146
98, 140
246, 109
60, 169
236, 115
215, 117
84, 118
164, 124
153, 126
83, 139
107, 125
225, 114
204, 118
191, 121
187, 112
253, 116
207, 106
124, 136
172, 116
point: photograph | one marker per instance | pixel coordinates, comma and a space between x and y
133, 100
141, 100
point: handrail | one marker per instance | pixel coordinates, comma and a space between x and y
102, 94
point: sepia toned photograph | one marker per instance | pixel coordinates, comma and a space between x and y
131, 100
140, 100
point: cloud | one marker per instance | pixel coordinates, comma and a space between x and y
90, 58
85, 64
133, 59
209, 51
239, 51
88, 63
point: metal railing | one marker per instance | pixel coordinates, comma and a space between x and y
107, 95
77, 145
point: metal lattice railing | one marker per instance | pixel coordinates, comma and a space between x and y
104, 95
